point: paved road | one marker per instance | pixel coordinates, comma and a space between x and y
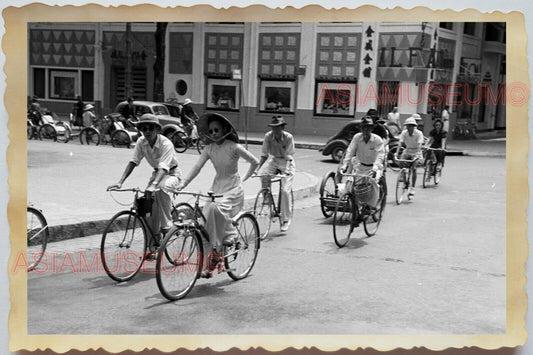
437, 266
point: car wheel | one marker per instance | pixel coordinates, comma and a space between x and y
337, 153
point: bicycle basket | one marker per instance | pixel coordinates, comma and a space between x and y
366, 190
144, 205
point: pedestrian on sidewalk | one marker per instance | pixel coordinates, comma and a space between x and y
159, 152
224, 152
277, 151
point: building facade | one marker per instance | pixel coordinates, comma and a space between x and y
317, 75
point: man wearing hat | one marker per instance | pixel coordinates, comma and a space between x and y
189, 118
366, 152
277, 152
88, 115
160, 154
413, 140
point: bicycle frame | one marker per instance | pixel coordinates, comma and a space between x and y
134, 208
198, 215
273, 179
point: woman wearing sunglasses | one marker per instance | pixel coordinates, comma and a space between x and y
160, 154
224, 152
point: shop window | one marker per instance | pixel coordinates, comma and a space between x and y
469, 28
223, 94
63, 84
180, 52
446, 25
335, 99
277, 96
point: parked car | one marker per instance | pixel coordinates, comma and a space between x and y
336, 145
170, 123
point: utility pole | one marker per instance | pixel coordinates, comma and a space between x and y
128, 89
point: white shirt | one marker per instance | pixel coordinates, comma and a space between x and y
366, 153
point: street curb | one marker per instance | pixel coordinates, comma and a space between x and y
88, 228
484, 154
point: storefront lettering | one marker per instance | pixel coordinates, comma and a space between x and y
427, 57
135, 56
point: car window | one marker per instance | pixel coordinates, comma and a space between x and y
141, 110
160, 110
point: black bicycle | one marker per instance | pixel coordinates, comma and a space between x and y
128, 240
267, 207
352, 208
432, 167
180, 259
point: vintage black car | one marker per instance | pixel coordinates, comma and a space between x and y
337, 144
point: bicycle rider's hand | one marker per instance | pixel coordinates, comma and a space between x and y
180, 187
114, 186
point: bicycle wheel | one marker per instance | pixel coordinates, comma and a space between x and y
123, 246
120, 138
180, 141
239, 258
328, 191
371, 222
89, 135
438, 173
200, 145
263, 211
426, 178
181, 265
344, 218
47, 131
37, 234
401, 185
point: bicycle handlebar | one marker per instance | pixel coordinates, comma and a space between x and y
198, 194
134, 189
272, 176
369, 175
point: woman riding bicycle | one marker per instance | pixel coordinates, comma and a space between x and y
224, 151
413, 140
437, 140
366, 152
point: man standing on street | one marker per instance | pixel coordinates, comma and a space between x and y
277, 152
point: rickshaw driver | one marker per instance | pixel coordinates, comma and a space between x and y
366, 152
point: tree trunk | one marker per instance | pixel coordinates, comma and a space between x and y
159, 64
